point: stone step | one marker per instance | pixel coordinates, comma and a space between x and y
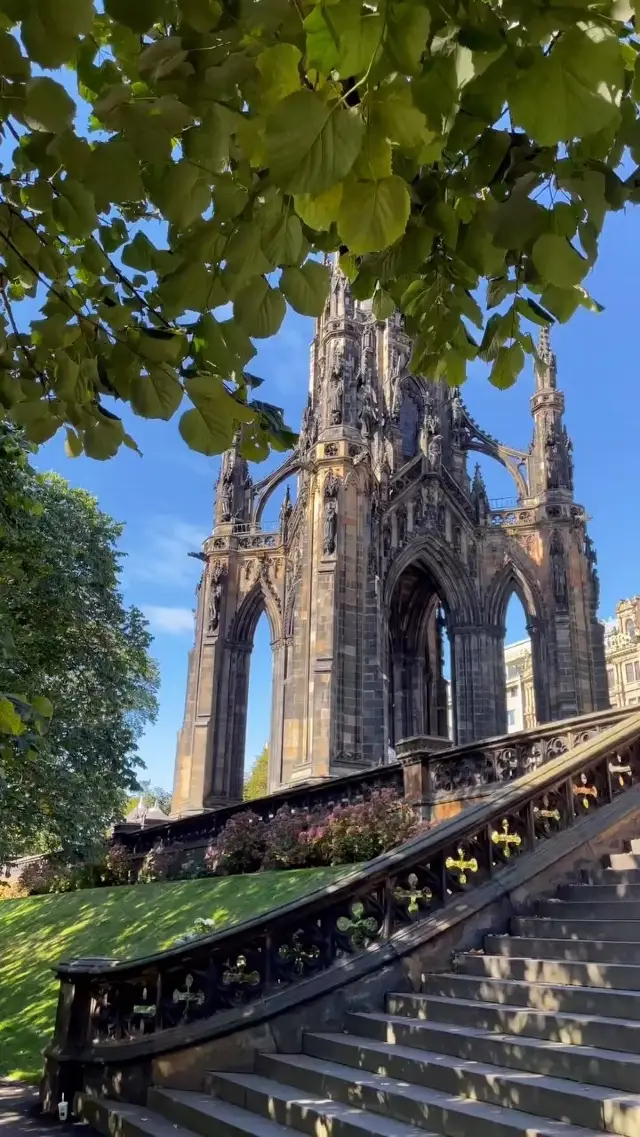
542, 927
539, 996
111, 1117
611, 876
574, 951
591, 909
597, 892
581, 1030
308, 1112
612, 975
409, 1104
586, 1064
627, 862
594, 1107
210, 1117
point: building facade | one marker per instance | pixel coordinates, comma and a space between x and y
622, 656
389, 545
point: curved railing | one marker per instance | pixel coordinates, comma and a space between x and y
457, 770
105, 1005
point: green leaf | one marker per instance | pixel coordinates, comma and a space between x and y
279, 74
202, 15
534, 312
102, 439
139, 15
73, 444
342, 37
319, 211
10, 721
157, 394
454, 368
407, 29
47, 105
42, 706
140, 254
383, 304
182, 192
211, 425
311, 146
574, 90
374, 214
508, 364
113, 173
74, 210
562, 302
259, 309
282, 242
374, 159
557, 261
306, 288
161, 346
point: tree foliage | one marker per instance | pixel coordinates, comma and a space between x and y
71, 648
257, 782
172, 188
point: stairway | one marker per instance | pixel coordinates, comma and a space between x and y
538, 1035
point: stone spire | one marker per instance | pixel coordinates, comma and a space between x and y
232, 485
551, 453
479, 497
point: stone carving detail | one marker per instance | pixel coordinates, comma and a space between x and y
558, 570
266, 568
330, 523
336, 389
331, 450
215, 596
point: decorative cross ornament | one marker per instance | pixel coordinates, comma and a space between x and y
547, 814
238, 975
584, 791
461, 865
296, 954
145, 1009
359, 928
416, 896
188, 996
505, 839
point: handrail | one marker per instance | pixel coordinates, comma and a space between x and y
504, 754
118, 1002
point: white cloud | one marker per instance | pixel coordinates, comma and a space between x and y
173, 621
162, 555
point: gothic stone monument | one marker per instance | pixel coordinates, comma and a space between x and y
389, 545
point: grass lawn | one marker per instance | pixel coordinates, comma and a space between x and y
121, 922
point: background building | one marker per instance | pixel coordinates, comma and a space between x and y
622, 652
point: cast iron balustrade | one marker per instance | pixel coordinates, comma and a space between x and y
118, 1004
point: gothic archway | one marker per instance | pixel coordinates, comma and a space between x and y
517, 579
260, 600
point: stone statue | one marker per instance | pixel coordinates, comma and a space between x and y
285, 515
434, 451
215, 597
553, 460
330, 524
457, 410
473, 558
558, 570
367, 408
336, 392
226, 500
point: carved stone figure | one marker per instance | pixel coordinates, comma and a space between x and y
367, 408
553, 457
330, 524
215, 596
558, 570
434, 452
336, 392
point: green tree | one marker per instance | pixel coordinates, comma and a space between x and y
257, 782
71, 646
436, 145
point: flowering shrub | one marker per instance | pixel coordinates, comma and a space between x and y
119, 866
157, 863
46, 875
240, 845
286, 844
353, 833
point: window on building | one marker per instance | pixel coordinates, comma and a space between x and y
512, 671
628, 670
636, 670
630, 629
610, 676
511, 718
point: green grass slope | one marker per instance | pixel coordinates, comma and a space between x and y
120, 922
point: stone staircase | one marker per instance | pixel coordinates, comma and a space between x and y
538, 1035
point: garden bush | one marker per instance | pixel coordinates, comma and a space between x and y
240, 847
158, 863
286, 845
354, 833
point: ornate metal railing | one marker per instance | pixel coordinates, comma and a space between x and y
462, 768
105, 1005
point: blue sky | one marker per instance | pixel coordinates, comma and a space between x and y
165, 498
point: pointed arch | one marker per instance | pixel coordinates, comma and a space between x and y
259, 599
453, 580
263, 490
513, 577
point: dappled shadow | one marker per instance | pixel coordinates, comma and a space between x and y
124, 923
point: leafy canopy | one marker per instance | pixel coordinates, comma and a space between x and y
257, 782
183, 164
77, 684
